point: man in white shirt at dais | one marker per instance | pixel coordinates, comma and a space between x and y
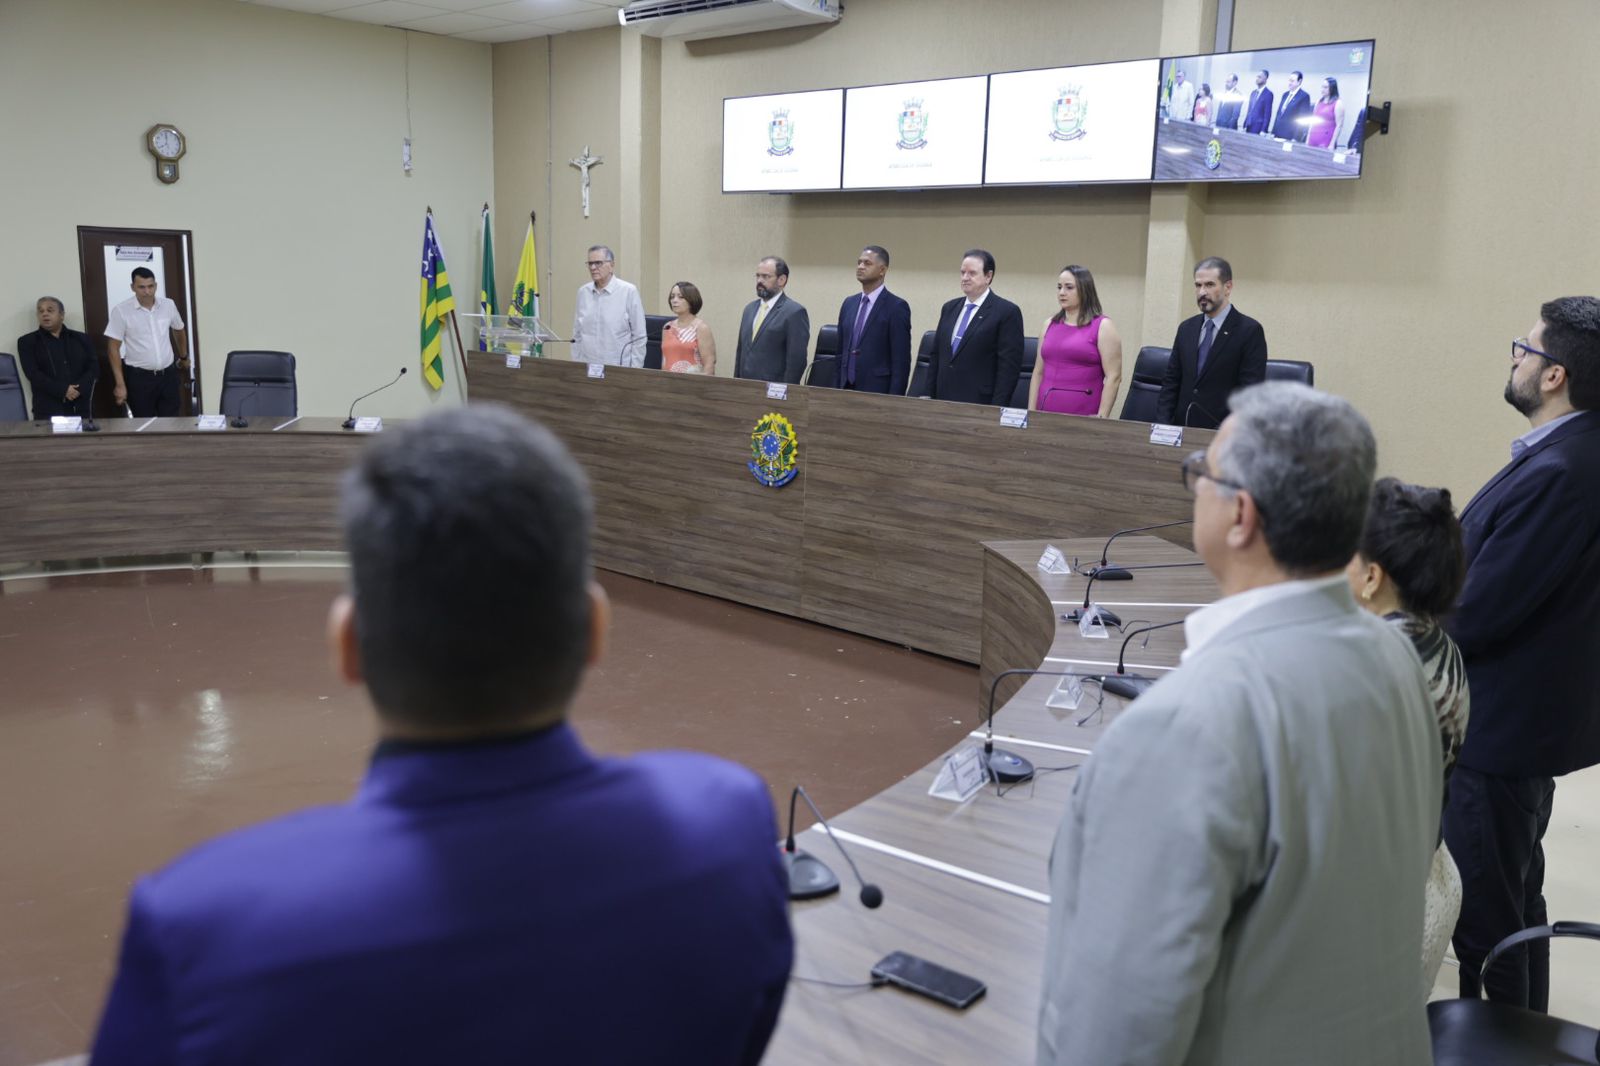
608, 326
146, 350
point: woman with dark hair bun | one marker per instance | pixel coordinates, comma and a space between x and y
1409, 570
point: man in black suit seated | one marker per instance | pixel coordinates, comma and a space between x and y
874, 332
58, 362
977, 354
1215, 352
1528, 625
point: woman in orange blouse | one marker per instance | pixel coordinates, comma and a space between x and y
687, 345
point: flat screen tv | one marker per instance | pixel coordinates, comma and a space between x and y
915, 135
1071, 124
1276, 114
787, 142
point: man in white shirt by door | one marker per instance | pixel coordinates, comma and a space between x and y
146, 348
608, 326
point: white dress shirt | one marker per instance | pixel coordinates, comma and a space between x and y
608, 326
146, 342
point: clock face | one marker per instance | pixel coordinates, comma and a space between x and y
167, 142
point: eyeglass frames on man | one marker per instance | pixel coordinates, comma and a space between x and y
1521, 349
1196, 467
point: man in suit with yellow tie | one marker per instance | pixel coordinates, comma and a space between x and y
775, 331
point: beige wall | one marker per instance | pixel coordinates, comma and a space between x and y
307, 236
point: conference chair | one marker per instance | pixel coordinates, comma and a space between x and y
1291, 370
823, 370
13, 408
1475, 1032
654, 325
919, 371
1144, 390
1030, 354
259, 383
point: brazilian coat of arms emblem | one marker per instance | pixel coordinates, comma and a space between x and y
774, 451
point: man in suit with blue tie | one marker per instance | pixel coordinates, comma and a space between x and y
1293, 110
1528, 625
1258, 116
493, 893
1214, 353
874, 332
774, 331
977, 355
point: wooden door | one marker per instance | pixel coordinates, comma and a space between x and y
107, 257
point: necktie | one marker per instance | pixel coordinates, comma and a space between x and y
961, 326
761, 316
855, 340
1205, 345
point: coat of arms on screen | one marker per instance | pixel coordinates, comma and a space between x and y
780, 133
1213, 154
1069, 113
913, 125
774, 451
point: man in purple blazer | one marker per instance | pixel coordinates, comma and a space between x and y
493, 893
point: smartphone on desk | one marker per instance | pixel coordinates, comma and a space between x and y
929, 979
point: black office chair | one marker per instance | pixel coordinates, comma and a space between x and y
1475, 1032
1149, 370
654, 326
259, 383
1030, 353
919, 370
13, 408
1291, 370
823, 370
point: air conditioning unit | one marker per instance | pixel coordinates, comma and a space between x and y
694, 20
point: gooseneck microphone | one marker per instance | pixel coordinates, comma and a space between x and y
350, 422
1106, 616
239, 420
1187, 411
89, 424
1108, 572
1124, 684
809, 877
1007, 766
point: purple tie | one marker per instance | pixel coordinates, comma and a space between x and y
855, 340
961, 327
1205, 346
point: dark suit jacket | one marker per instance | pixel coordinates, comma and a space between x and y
1228, 114
1287, 124
985, 368
779, 352
504, 902
1238, 358
49, 378
883, 363
1528, 621
1259, 118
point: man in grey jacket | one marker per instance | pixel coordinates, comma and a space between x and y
1239, 876
774, 331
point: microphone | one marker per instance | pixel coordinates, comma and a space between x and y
350, 422
1106, 616
1106, 572
1127, 685
1187, 411
809, 877
89, 424
239, 421
1007, 766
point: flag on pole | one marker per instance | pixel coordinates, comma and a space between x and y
525, 290
488, 300
436, 303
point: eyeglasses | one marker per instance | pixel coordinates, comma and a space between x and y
597, 263
1195, 467
1521, 349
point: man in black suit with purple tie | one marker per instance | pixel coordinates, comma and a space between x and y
1528, 625
977, 355
1293, 110
1258, 117
874, 332
1216, 352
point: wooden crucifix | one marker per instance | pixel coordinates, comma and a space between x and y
584, 162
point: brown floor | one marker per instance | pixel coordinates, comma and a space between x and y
143, 712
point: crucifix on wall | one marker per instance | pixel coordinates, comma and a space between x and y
584, 162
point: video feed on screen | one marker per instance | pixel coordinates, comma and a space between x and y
789, 142
1071, 124
1272, 115
915, 135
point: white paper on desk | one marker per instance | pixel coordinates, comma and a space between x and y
513, 362
1014, 417
1091, 625
66, 424
1171, 436
777, 390
961, 775
597, 370
1053, 562
369, 424
211, 423
1068, 694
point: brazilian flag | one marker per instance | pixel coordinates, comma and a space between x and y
488, 300
436, 303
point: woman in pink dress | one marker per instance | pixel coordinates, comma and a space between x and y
1328, 118
687, 346
1079, 366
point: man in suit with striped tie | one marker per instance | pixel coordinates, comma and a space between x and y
977, 353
